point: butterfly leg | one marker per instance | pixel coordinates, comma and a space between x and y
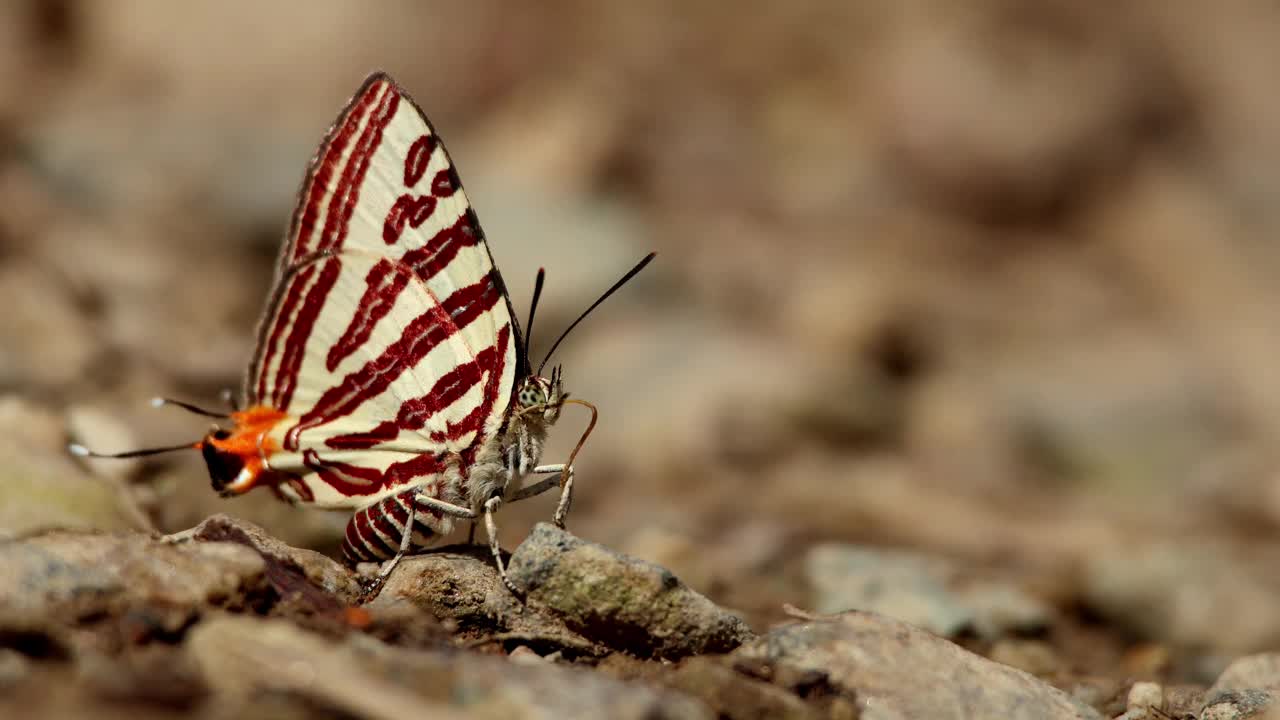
405, 541
490, 507
565, 481
444, 507
566, 495
537, 488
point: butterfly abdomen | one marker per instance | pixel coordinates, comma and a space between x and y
375, 532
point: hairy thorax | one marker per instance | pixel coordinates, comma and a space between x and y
503, 462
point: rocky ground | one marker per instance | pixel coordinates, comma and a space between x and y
951, 393
227, 621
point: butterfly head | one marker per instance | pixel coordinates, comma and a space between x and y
541, 396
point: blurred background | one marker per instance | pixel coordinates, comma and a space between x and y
984, 286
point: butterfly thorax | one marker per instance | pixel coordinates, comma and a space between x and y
503, 463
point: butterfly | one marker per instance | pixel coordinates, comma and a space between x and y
390, 375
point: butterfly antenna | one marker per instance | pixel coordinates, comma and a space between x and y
161, 402
623, 281
82, 451
533, 307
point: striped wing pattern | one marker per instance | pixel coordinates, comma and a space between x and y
388, 343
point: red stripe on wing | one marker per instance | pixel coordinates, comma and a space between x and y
385, 431
445, 183
408, 211
420, 337
468, 303
418, 158
297, 284
415, 467
337, 222
493, 364
355, 480
294, 347
347, 193
415, 413
384, 283
436, 254
350, 480
324, 166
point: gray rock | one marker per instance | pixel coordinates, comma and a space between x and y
452, 583
616, 600
156, 674
14, 667
1144, 696
459, 584
923, 590
57, 579
1094, 691
1182, 701
1189, 593
291, 570
1236, 705
1260, 672
1034, 656
45, 340
243, 656
738, 695
41, 485
902, 585
1001, 608
899, 671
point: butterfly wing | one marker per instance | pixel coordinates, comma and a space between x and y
389, 340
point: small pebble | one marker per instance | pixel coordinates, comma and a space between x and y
13, 667
1144, 695
1260, 672
525, 655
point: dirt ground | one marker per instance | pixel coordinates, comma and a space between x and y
964, 313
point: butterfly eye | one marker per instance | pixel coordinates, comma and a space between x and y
531, 395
